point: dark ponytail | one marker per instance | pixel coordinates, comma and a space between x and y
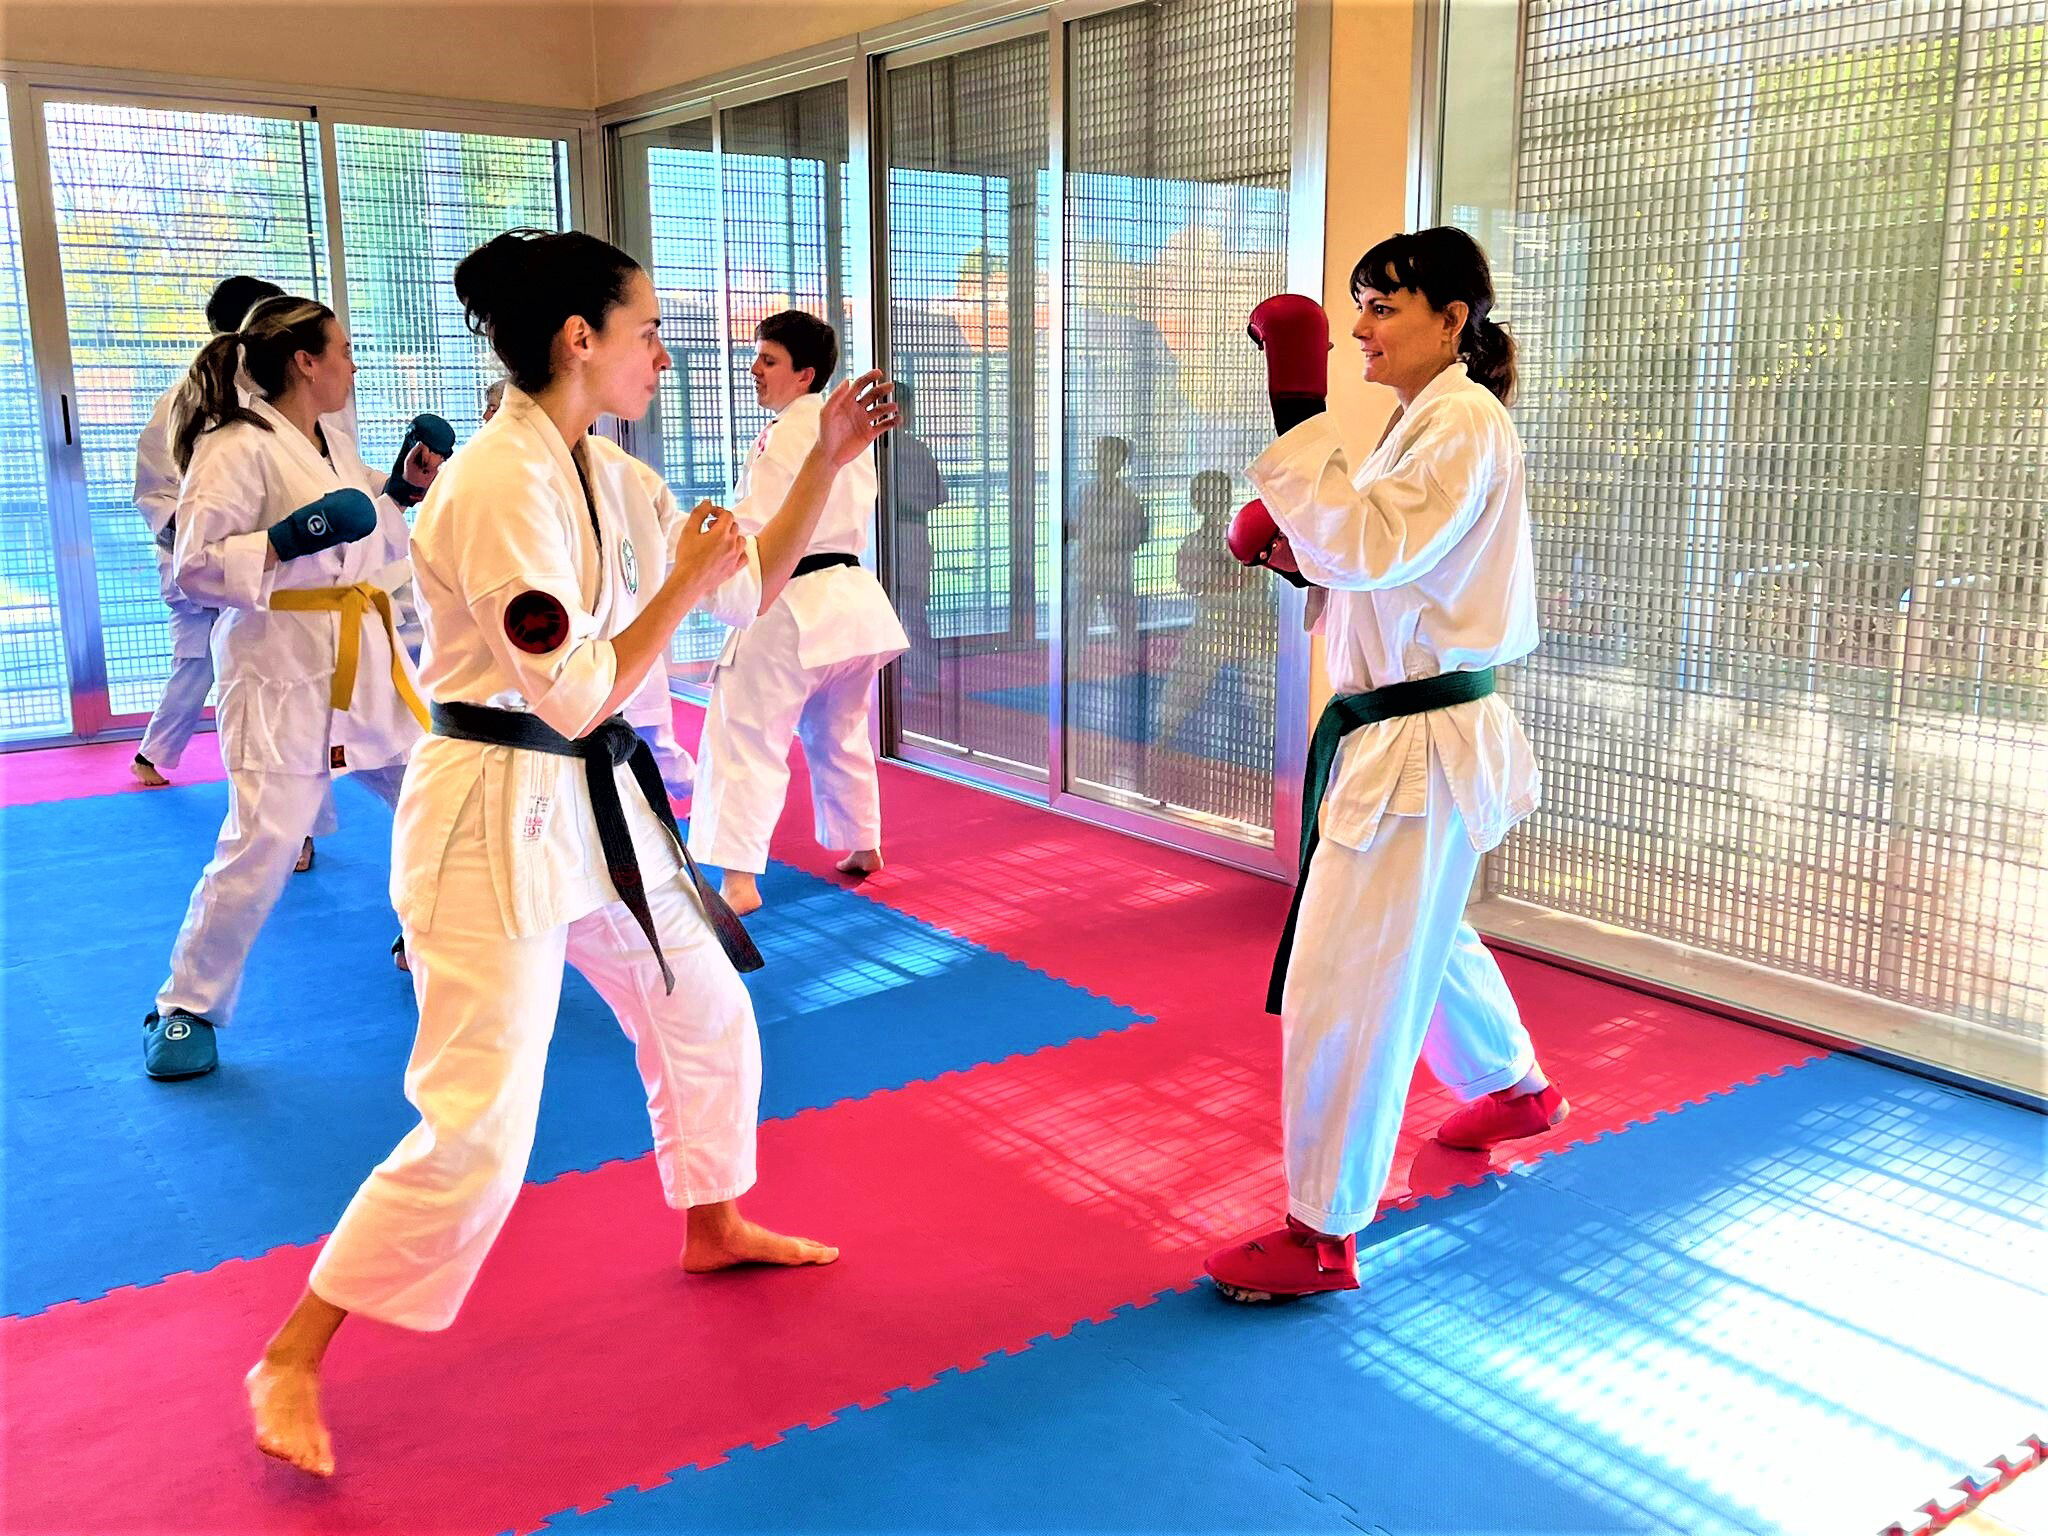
520, 289
275, 332
1446, 266
1488, 352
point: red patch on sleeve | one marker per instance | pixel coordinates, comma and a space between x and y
536, 623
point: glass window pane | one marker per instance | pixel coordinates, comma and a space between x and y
967, 267
35, 689
786, 199
413, 204
668, 195
153, 208
1179, 157
1778, 285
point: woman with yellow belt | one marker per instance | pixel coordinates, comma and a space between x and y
282, 528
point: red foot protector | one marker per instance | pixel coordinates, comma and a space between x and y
1291, 1261
977, 1212
1504, 1116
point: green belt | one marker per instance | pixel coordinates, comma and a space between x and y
1341, 716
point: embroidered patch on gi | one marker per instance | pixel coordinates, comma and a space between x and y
536, 819
630, 562
337, 757
536, 622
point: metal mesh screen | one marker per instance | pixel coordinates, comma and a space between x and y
153, 208
413, 204
1777, 272
35, 694
1179, 155
786, 199
968, 264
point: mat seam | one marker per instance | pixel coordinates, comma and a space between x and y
1969, 1491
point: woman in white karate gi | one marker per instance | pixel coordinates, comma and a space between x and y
553, 570
157, 477
1418, 766
282, 528
807, 669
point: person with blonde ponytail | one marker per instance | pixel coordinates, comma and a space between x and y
282, 528
1424, 583
157, 474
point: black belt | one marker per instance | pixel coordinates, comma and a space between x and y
612, 743
811, 563
1341, 716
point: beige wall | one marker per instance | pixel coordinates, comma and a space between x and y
649, 45
535, 54
1372, 45
1372, 49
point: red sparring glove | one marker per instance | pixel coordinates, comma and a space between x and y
1294, 333
1252, 536
1252, 533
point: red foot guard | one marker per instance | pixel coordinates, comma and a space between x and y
1292, 1261
1503, 1117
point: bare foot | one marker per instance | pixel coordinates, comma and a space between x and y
146, 774
305, 858
727, 1245
862, 861
284, 1402
741, 892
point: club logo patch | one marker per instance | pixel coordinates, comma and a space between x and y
536, 623
630, 563
337, 757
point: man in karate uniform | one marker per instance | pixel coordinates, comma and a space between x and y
806, 668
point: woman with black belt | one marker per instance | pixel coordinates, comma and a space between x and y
1419, 767
552, 570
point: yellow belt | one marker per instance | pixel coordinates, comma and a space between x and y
354, 604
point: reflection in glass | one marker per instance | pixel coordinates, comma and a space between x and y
154, 208
1178, 164
970, 520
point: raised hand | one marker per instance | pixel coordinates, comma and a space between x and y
428, 442
708, 546
857, 412
1294, 333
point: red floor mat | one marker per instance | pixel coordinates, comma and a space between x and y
978, 1211
69, 773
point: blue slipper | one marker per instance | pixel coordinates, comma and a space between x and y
178, 1045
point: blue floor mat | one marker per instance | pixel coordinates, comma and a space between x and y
1801, 1307
1065, 1437
113, 1179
